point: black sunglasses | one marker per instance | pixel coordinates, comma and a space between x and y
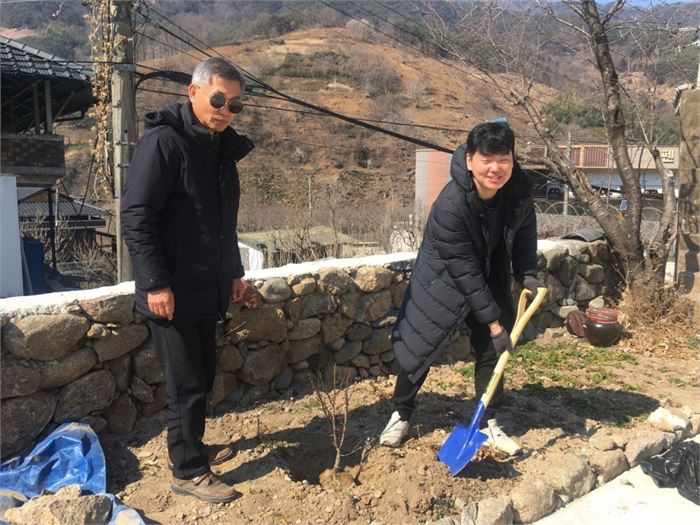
218, 100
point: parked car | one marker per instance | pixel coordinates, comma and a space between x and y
555, 190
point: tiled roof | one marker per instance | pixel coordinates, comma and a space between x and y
29, 210
21, 59
38, 207
21, 67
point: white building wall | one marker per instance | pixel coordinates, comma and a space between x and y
10, 254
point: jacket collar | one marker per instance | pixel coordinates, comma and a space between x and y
232, 146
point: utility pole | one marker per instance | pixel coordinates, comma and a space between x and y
123, 116
566, 186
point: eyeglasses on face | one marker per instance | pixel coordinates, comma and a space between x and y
218, 100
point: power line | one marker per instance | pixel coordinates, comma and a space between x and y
318, 114
396, 39
390, 23
162, 28
161, 92
177, 37
303, 103
179, 27
422, 25
328, 112
165, 44
159, 26
407, 124
399, 13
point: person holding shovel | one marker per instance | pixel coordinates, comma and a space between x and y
179, 212
481, 227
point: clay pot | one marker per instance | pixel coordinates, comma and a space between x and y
607, 314
600, 331
574, 323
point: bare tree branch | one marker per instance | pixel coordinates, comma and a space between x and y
619, 4
548, 8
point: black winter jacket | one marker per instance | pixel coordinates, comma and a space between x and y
451, 273
179, 212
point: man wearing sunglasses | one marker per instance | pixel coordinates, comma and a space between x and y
179, 214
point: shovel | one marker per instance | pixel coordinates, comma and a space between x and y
465, 441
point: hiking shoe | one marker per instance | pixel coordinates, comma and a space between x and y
216, 454
394, 432
206, 487
499, 440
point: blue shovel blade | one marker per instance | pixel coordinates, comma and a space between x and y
463, 443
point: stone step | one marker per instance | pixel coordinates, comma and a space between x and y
689, 242
690, 282
689, 193
690, 224
688, 261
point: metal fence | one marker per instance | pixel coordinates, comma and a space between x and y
553, 222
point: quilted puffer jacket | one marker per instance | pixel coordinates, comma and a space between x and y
453, 268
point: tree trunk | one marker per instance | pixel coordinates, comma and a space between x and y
618, 230
615, 126
661, 243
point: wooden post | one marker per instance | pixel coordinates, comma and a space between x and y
688, 265
123, 117
37, 113
48, 124
52, 229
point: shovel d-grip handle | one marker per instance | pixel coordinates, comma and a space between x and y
521, 320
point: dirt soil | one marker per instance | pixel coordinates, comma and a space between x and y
560, 392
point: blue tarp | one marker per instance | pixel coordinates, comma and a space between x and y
70, 455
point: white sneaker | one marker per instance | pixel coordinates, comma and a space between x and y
394, 432
499, 440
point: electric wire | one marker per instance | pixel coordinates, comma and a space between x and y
149, 37
393, 123
177, 37
316, 113
151, 8
417, 49
386, 21
261, 84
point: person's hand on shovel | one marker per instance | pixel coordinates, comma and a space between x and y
532, 283
501, 341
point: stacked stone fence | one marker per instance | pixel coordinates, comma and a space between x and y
86, 356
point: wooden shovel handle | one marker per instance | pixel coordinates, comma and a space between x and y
521, 320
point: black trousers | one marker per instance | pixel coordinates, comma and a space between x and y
405, 390
186, 348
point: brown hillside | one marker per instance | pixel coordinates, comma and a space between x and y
349, 167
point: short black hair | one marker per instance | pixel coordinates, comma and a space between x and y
490, 138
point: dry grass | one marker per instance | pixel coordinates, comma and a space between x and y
660, 319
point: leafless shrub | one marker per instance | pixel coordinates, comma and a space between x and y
660, 319
374, 74
37, 229
93, 263
334, 394
362, 29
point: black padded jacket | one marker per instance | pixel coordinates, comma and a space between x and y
452, 270
179, 212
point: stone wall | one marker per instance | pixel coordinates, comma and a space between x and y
85, 356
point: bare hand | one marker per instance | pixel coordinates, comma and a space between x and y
238, 290
161, 302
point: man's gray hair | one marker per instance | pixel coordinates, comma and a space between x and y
205, 70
